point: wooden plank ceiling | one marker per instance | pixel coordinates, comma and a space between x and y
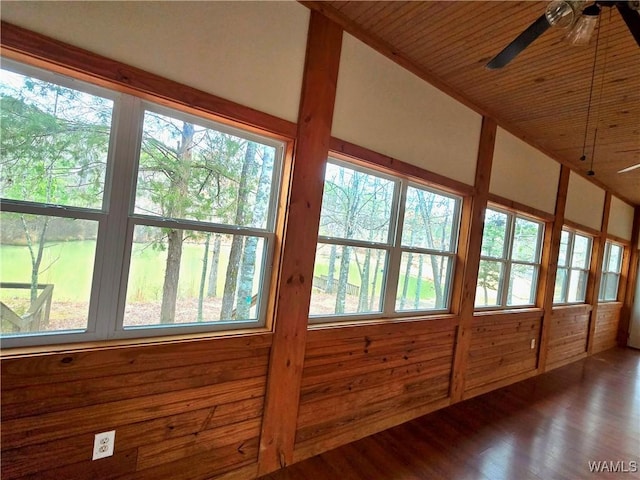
541, 96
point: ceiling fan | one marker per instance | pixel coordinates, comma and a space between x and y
579, 18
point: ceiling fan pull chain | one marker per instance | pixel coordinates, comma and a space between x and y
604, 70
593, 74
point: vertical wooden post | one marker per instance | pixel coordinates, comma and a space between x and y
472, 257
595, 271
549, 265
632, 278
301, 234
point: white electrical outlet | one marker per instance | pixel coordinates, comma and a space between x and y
533, 343
103, 444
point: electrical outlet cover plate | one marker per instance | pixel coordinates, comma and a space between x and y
103, 444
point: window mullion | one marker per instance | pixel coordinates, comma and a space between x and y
114, 232
29, 208
504, 294
343, 242
395, 252
201, 226
569, 264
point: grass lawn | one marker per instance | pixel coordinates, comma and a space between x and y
69, 266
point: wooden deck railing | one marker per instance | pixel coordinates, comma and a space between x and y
320, 282
36, 317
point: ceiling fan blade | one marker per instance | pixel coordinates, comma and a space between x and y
521, 42
632, 18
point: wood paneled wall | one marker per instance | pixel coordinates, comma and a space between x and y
606, 329
362, 379
503, 345
568, 332
180, 410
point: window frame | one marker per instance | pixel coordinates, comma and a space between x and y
116, 219
394, 247
93, 329
571, 270
507, 262
617, 274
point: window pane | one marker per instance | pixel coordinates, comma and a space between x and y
428, 220
522, 285
563, 261
525, 241
615, 257
192, 172
494, 234
581, 252
355, 205
577, 286
609, 287
347, 280
186, 276
423, 282
558, 291
46, 269
489, 284
54, 142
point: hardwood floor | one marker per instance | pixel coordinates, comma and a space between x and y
547, 427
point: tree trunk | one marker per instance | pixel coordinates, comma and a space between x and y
247, 270
245, 285
332, 270
231, 279
212, 289
350, 215
343, 278
375, 278
437, 279
179, 183
171, 276
363, 300
416, 304
203, 276
235, 254
405, 283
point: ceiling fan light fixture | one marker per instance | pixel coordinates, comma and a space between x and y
560, 13
582, 30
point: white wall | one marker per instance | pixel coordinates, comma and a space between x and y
585, 202
249, 52
383, 107
620, 219
523, 173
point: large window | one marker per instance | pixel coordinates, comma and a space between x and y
573, 268
510, 260
386, 246
611, 267
121, 217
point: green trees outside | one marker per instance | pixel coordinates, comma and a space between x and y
193, 173
429, 223
512, 241
358, 222
54, 144
212, 190
494, 235
356, 206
